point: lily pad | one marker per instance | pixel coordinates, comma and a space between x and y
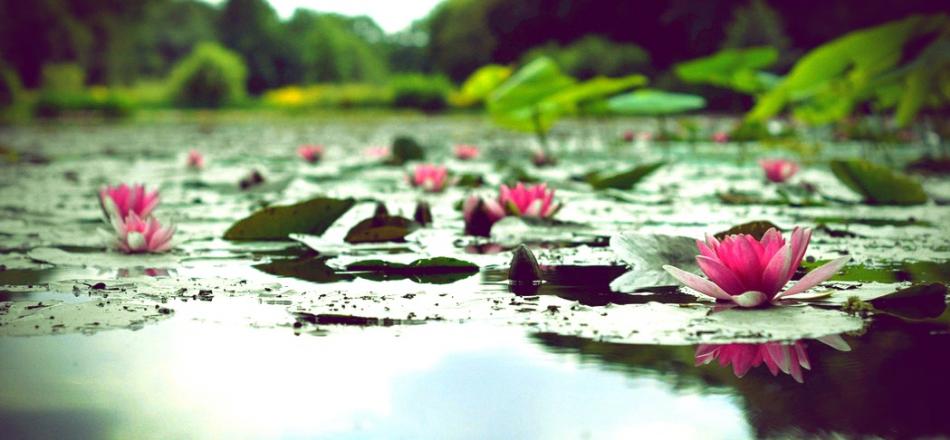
436, 270
756, 228
647, 254
59, 257
916, 302
278, 222
625, 179
878, 185
406, 149
380, 229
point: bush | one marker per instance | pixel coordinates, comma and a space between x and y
97, 100
593, 56
211, 76
63, 78
355, 95
424, 92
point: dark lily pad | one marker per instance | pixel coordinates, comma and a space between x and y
625, 179
406, 149
756, 228
916, 302
878, 185
437, 270
306, 268
277, 222
381, 229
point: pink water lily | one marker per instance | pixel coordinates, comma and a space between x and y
720, 137
466, 152
752, 272
789, 358
377, 152
778, 170
431, 178
490, 207
310, 153
137, 235
528, 201
629, 135
195, 160
125, 200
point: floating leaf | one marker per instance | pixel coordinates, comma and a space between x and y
647, 254
378, 229
878, 185
916, 302
736, 69
653, 103
625, 179
756, 228
306, 268
277, 222
406, 149
436, 270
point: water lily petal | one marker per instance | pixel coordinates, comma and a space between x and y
697, 283
816, 276
720, 274
752, 298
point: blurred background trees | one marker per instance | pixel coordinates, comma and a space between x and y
122, 43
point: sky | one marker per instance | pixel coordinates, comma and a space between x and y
391, 15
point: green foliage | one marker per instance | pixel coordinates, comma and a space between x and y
735, 69
278, 222
480, 84
828, 82
211, 76
758, 24
107, 103
424, 92
10, 88
521, 103
333, 48
654, 103
593, 56
63, 78
346, 95
460, 41
878, 185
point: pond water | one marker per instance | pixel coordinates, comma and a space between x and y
228, 339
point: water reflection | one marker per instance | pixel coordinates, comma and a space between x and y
789, 358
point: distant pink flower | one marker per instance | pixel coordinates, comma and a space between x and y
778, 170
531, 201
431, 178
539, 158
195, 160
752, 272
777, 356
310, 153
136, 235
720, 137
629, 136
127, 200
645, 136
377, 152
466, 152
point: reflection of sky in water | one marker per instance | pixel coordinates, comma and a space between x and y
184, 379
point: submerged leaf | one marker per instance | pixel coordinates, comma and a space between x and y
278, 222
878, 185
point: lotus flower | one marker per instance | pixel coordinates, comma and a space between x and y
127, 200
137, 235
195, 160
629, 136
310, 153
778, 170
787, 358
531, 201
431, 178
466, 152
720, 137
377, 152
752, 272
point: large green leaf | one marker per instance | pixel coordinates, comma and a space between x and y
878, 185
736, 69
480, 84
277, 222
654, 102
594, 89
520, 102
843, 69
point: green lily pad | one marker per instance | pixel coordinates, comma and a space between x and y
625, 179
277, 222
878, 185
380, 229
654, 102
756, 228
436, 270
